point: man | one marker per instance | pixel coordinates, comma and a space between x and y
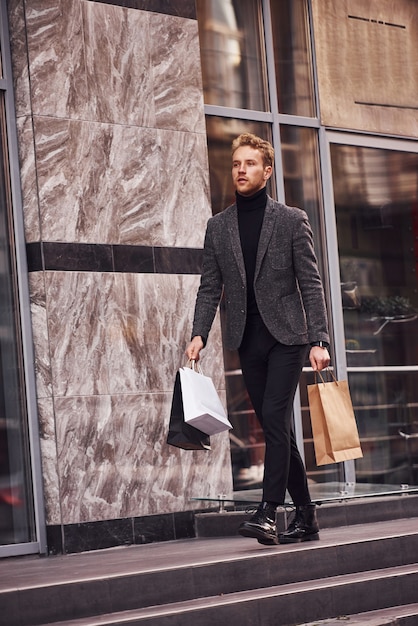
260, 254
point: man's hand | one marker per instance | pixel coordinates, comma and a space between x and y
319, 358
194, 347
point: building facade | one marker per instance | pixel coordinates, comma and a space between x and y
116, 123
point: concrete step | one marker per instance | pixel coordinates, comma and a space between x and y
370, 566
394, 616
284, 605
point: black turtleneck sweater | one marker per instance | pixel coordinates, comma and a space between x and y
250, 220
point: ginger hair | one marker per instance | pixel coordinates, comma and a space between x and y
265, 147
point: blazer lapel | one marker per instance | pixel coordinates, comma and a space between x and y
232, 226
265, 235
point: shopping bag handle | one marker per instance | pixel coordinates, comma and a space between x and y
329, 372
195, 366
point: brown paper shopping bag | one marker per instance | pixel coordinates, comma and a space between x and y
333, 422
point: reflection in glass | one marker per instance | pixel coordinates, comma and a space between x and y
293, 59
377, 225
386, 408
232, 53
301, 172
247, 442
15, 508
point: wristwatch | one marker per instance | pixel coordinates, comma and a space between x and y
320, 344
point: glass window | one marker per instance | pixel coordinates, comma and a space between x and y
376, 203
302, 184
377, 225
293, 58
301, 175
16, 517
232, 53
386, 409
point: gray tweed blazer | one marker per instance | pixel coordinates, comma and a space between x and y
287, 284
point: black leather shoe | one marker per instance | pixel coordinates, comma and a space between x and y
303, 527
262, 525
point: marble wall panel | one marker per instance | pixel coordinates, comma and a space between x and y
178, 90
111, 338
40, 334
119, 76
71, 163
114, 461
120, 184
133, 185
89, 483
149, 322
28, 179
163, 198
114, 183
149, 319
118, 156
57, 67
97, 182
113, 64
77, 327
50, 474
113, 334
197, 475
20, 64
139, 427
185, 191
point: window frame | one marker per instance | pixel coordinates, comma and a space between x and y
23, 304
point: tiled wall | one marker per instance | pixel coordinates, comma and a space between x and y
116, 198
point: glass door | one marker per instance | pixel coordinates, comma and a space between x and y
375, 193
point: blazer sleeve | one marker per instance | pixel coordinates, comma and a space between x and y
210, 289
309, 280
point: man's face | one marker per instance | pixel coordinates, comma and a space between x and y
249, 174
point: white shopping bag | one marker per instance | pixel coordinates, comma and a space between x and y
202, 406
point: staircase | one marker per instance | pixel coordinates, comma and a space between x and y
364, 572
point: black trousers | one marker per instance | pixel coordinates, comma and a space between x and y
271, 373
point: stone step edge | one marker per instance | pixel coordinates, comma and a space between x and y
215, 603
392, 616
380, 533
